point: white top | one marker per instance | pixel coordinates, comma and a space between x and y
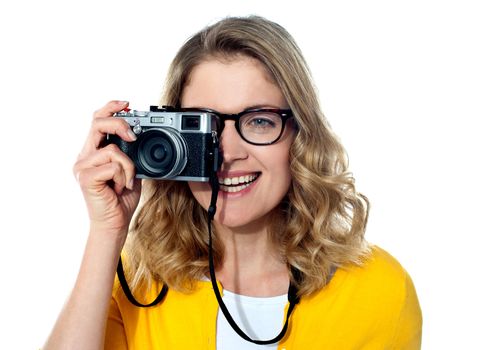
259, 318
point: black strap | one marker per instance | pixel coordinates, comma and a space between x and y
291, 295
129, 295
292, 298
292, 292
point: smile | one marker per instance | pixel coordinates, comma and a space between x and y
237, 183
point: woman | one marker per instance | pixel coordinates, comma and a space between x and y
288, 219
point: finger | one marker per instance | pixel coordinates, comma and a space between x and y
94, 179
102, 126
109, 154
110, 108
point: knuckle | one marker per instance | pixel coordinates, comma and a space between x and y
111, 149
109, 124
78, 167
116, 167
119, 125
82, 178
122, 124
80, 156
95, 123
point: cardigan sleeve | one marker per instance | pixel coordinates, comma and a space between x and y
115, 335
408, 330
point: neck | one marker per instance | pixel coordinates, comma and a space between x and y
251, 266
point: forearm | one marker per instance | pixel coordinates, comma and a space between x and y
82, 322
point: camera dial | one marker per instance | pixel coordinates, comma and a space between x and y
137, 127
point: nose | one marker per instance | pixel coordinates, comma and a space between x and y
232, 146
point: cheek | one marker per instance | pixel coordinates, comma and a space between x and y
286, 179
286, 171
280, 162
279, 171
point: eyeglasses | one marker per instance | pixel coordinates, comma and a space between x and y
262, 126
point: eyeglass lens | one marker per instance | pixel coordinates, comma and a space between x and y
260, 127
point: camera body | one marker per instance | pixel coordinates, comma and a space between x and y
171, 144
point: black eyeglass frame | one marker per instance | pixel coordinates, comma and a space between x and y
284, 114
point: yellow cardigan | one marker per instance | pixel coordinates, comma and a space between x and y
369, 307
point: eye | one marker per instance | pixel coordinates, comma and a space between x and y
260, 121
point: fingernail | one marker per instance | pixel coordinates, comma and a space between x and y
122, 103
131, 135
130, 184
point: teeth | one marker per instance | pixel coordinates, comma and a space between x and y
233, 189
228, 181
235, 184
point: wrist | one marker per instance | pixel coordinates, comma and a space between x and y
102, 227
109, 238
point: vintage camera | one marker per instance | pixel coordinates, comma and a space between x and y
171, 144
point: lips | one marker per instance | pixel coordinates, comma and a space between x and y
233, 184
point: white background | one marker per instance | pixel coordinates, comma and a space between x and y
402, 84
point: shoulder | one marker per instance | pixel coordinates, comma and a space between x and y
380, 266
380, 277
379, 287
390, 293
373, 303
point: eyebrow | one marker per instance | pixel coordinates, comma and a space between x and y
257, 106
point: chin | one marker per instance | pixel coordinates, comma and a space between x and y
242, 219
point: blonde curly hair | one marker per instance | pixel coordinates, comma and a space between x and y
321, 221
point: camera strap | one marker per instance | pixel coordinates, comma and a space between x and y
292, 292
129, 295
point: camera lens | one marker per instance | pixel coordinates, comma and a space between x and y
161, 153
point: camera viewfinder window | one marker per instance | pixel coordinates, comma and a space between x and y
191, 122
